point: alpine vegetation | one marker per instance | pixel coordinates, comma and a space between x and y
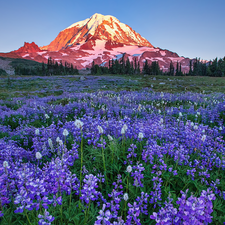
106, 157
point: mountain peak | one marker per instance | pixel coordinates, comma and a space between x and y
100, 27
29, 48
97, 18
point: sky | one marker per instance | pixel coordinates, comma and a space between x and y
191, 28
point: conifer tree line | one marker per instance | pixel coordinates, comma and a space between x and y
215, 68
121, 66
49, 69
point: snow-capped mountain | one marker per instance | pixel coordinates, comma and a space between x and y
96, 27
99, 39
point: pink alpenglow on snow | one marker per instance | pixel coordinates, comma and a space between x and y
100, 39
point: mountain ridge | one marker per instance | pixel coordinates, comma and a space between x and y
100, 27
99, 39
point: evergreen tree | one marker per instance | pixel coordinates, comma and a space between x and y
127, 66
135, 65
177, 70
61, 68
116, 67
122, 64
93, 71
145, 68
208, 71
190, 68
132, 68
113, 67
43, 69
171, 72
138, 68
154, 68
97, 69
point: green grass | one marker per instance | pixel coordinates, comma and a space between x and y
11, 87
21, 62
2, 72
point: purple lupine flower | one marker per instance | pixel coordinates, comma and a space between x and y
104, 217
133, 214
166, 215
138, 176
116, 196
88, 192
143, 202
131, 151
45, 219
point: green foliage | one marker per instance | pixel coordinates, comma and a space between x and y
2, 72
13, 121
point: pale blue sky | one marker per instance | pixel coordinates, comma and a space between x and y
192, 28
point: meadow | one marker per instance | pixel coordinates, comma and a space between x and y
112, 150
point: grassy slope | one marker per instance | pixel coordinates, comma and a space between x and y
21, 63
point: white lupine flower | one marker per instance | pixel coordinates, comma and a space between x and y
65, 132
50, 143
139, 107
203, 137
141, 135
60, 142
129, 169
57, 139
192, 124
159, 111
110, 137
47, 116
124, 128
37, 132
178, 120
180, 114
195, 127
5, 164
161, 95
78, 124
100, 129
161, 120
198, 113
125, 197
203, 131
220, 128
38, 155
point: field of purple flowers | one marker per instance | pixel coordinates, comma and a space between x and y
106, 157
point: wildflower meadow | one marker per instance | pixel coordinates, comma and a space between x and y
112, 157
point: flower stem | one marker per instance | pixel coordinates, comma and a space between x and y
103, 159
81, 162
127, 189
28, 218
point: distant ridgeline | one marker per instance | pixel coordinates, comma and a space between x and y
41, 69
215, 68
